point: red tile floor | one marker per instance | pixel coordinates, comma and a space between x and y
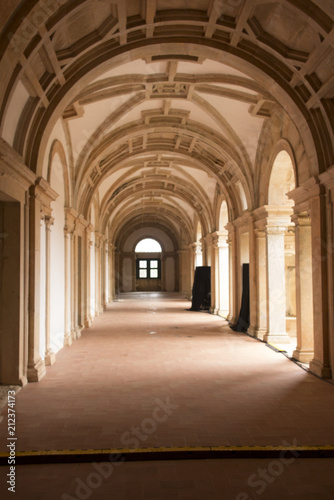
149, 373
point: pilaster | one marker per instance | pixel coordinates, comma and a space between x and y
41, 195
320, 364
258, 314
219, 274
304, 351
327, 179
50, 356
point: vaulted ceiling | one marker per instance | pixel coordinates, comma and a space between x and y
162, 105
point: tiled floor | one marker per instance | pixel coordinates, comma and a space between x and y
150, 373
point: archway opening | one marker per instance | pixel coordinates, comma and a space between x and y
281, 249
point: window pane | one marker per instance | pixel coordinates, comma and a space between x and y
153, 273
154, 264
143, 264
142, 273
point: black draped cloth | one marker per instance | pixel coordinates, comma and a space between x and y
242, 323
201, 289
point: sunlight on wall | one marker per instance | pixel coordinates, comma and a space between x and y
148, 245
57, 258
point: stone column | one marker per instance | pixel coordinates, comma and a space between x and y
258, 319
111, 281
276, 304
327, 178
252, 277
73, 285
215, 278
67, 245
223, 266
98, 286
87, 278
185, 272
320, 365
259, 328
120, 271
50, 356
36, 365
304, 289
106, 297
232, 252
117, 271
76, 329
177, 272
192, 249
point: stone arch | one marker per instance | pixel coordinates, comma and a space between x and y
223, 215
281, 235
58, 149
282, 169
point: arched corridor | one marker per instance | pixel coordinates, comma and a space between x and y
203, 125
216, 141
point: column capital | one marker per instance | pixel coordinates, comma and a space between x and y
70, 217
98, 239
207, 239
313, 187
48, 221
43, 191
301, 219
219, 239
276, 230
260, 232
111, 245
195, 247
243, 220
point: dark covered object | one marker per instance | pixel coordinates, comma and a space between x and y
201, 288
242, 323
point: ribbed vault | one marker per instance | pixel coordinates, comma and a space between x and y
165, 109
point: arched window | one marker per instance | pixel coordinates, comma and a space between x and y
148, 245
150, 267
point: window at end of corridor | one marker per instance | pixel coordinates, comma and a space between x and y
148, 268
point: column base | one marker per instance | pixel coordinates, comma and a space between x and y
36, 373
319, 369
302, 355
23, 381
20, 381
73, 334
88, 321
50, 358
213, 310
280, 338
68, 339
78, 333
232, 319
257, 333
